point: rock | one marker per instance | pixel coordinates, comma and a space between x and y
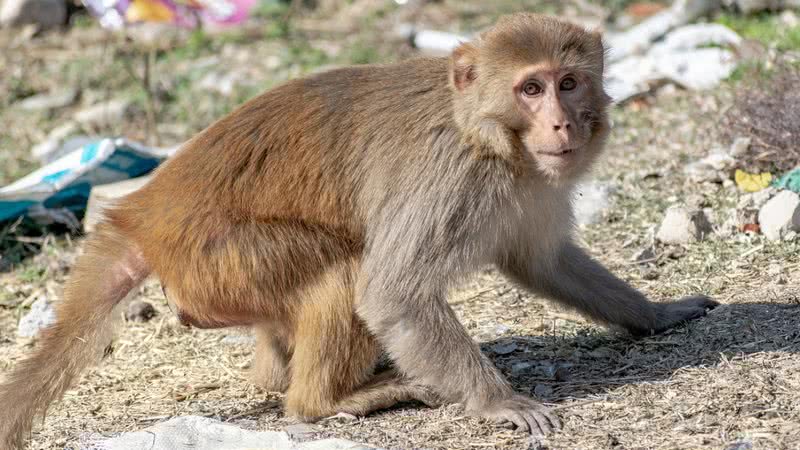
42, 13
562, 374
740, 445
238, 339
780, 215
739, 147
51, 100
504, 348
139, 311
103, 114
301, 431
101, 196
774, 270
730, 225
547, 369
520, 367
501, 329
645, 256
680, 226
712, 168
40, 316
756, 200
542, 390
650, 274
589, 201
174, 324
201, 433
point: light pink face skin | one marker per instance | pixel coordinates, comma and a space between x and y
552, 101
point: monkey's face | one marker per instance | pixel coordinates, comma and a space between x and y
538, 81
558, 117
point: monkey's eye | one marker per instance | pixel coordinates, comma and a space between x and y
531, 88
568, 83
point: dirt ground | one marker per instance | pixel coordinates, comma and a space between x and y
729, 381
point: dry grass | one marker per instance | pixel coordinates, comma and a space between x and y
770, 117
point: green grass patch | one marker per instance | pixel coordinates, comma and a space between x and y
765, 28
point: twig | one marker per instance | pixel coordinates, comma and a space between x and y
577, 404
250, 412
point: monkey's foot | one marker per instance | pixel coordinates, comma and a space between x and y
685, 309
524, 413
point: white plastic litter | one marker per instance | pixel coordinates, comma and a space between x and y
663, 48
202, 433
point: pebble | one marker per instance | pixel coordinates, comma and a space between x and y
780, 215
40, 315
140, 311
504, 348
591, 199
681, 226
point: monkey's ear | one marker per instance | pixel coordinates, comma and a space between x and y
462, 66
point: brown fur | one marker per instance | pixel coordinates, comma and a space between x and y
334, 212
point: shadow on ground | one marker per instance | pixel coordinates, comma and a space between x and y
555, 368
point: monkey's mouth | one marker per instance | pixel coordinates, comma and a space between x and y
563, 152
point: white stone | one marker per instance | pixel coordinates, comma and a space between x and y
711, 168
739, 147
40, 316
202, 433
43, 13
103, 114
780, 215
590, 200
680, 226
238, 339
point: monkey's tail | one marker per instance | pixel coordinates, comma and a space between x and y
109, 268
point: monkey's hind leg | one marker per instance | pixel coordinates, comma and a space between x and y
334, 357
383, 391
270, 368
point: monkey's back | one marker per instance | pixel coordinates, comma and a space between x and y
297, 155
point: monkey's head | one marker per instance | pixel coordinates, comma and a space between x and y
537, 84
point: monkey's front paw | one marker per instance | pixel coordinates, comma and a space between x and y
685, 309
524, 413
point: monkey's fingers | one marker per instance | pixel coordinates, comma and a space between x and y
542, 420
525, 414
683, 310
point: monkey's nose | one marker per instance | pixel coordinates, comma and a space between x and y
565, 125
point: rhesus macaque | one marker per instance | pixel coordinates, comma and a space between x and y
333, 213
